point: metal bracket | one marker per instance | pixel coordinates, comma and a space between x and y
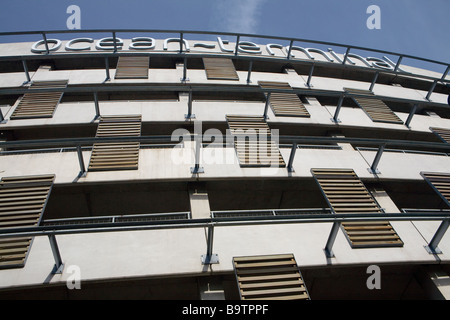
210, 259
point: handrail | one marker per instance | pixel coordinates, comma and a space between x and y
211, 223
72, 142
95, 89
249, 35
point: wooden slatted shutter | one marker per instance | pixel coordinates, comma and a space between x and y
440, 182
121, 155
284, 104
443, 134
376, 109
270, 277
39, 104
253, 143
132, 67
220, 69
22, 203
345, 193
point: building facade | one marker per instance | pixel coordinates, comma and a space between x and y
143, 168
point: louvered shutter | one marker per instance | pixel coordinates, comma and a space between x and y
270, 277
116, 156
132, 67
345, 193
440, 182
220, 69
443, 134
253, 143
22, 203
376, 109
284, 104
39, 104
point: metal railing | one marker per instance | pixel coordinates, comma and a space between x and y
210, 223
294, 141
182, 53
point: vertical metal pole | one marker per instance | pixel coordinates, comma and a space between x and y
291, 157
290, 49
266, 107
346, 55
376, 160
2, 118
184, 69
236, 49
432, 246
431, 90
398, 63
181, 42
445, 72
198, 144
107, 69
97, 108
189, 115
81, 161
410, 116
331, 238
375, 77
249, 71
46, 43
210, 257
56, 255
25, 68
308, 82
114, 42
338, 108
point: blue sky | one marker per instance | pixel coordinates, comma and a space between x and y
415, 27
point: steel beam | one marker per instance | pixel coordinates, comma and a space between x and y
431, 90
411, 114
331, 238
338, 109
376, 160
266, 106
81, 161
189, 115
198, 143
209, 257
291, 157
25, 69
375, 77
249, 71
59, 265
432, 247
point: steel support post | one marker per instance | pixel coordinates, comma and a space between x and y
236, 49
376, 160
184, 79
107, 69
59, 265
411, 114
46, 43
346, 55
308, 82
266, 107
81, 161
97, 107
249, 72
209, 257
432, 246
331, 238
338, 109
114, 42
198, 144
25, 69
375, 77
291, 157
290, 49
398, 63
431, 90
181, 42
189, 115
